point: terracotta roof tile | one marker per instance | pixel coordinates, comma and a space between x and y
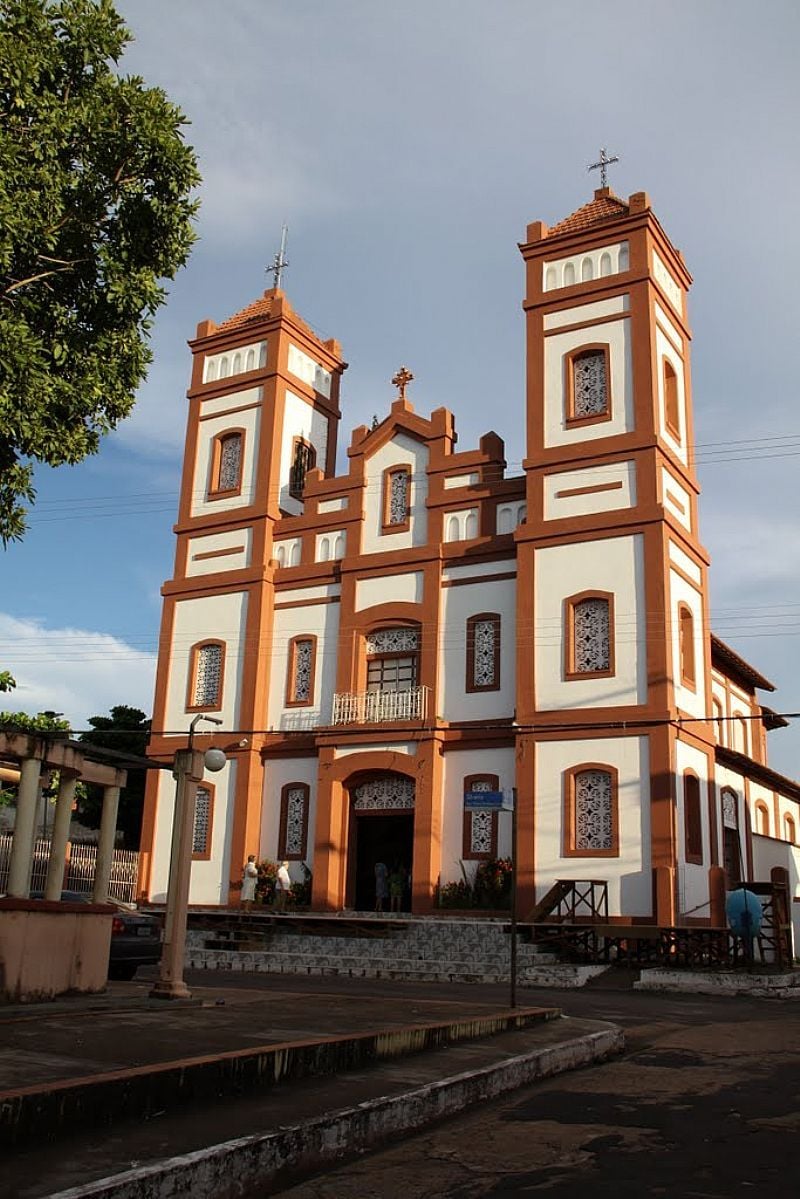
599, 210
259, 310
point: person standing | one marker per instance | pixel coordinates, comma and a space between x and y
249, 880
283, 884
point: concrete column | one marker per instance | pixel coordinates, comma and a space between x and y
60, 835
188, 771
105, 844
19, 869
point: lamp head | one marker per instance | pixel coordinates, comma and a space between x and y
214, 759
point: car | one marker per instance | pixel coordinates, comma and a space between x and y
135, 935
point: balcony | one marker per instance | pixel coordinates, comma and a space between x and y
380, 707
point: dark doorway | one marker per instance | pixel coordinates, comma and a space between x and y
732, 859
380, 837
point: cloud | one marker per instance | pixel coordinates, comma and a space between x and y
74, 671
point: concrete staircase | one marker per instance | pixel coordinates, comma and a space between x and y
363, 946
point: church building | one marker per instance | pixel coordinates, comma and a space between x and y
381, 643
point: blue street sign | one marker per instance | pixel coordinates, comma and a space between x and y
487, 801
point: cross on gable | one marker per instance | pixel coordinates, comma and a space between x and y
401, 381
602, 165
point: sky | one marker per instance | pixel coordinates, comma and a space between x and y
407, 146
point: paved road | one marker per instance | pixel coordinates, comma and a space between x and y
705, 1103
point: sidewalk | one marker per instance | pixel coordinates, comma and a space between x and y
383, 1061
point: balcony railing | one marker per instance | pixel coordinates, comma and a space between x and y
380, 707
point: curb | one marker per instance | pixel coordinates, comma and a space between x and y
229, 1169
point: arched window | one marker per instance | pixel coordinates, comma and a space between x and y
591, 822
589, 635
480, 828
522, 514
338, 546
211, 371
296, 553
504, 520
624, 257
300, 671
206, 671
686, 646
226, 463
471, 526
692, 818
762, 818
237, 364
324, 549
304, 459
790, 829
453, 529
396, 499
203, 822
293, 830
588, 392
569, 274
483, 652
587, 270
740, 733
605, 263
550, 280
250, 361
719, 723
223, 368
280, 555
392, 660
732, 852
672, 410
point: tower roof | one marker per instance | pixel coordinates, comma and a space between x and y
604, 207
259, 310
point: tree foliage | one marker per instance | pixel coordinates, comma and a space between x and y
96, 207
125, 730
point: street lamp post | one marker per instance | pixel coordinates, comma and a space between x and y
187, 770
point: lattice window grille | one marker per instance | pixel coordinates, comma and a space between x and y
484, 661
296, 799
730, 817
393, 641
593, 810
591, 636
378, 794
230, 462
480, 836
202, 820
208, 676
303, 653
589, 385
399, 486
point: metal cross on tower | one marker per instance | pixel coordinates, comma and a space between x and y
280, 260
602, 166
401, 381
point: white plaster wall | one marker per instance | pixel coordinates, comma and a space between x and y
234, 362
580, 313
692, 878
592, 264
277, 773
758, 792
457, 605
718, 692
666, 324
676, 499
452, 481
666, 281
616, 334
510, 516
615, 565
221, 617
250, 421
458, 764
288, 551
400, 450
681, 592
665, 349
479, 569
724, 777
788, 807
395, 747
293, 595
321, 621
305, 368
461, 525
209, 879
300, 420
686, 564
386, 589
630, 886
330, 547
238, 540
767, 853
335, 505
561, 507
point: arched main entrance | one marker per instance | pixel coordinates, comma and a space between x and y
381, 830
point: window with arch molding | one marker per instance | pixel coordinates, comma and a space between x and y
293, 829
203, 822
719, 723
300, 671
226, 463
471, 526
591, 814
480, 828
740, 733
762, 818
206, 671
237, 364
692, 818
324, 549
672, 408
396, 499
483, 652
505, 520
569, 274
223, 368
790, 829
686, 646
250, 361
280, 555
588, 389
589, 635
587, 270
605, 264
304, 459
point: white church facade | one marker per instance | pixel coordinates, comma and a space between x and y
380, 643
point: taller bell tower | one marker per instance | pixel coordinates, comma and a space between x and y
614, 669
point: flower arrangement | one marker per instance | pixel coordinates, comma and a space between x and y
490, 889
300, 894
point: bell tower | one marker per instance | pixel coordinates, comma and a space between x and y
612, 624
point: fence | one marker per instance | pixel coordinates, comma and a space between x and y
79, 868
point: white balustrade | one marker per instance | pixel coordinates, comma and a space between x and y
380, 707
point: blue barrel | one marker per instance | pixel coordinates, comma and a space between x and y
744, 913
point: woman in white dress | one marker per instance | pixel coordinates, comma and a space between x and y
249, 880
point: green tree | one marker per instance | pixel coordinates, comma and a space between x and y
125, 730
96, 207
